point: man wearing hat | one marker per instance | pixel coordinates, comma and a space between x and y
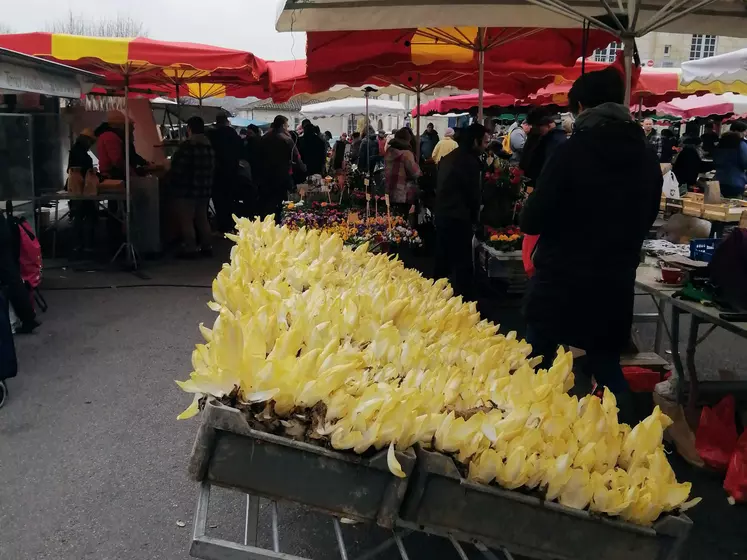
445, 146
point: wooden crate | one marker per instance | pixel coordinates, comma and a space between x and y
729, 211
692, 204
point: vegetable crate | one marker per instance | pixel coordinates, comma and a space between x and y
228, 453
692, 204
729, 211
438, 496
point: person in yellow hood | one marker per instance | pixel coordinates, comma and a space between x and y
444, 146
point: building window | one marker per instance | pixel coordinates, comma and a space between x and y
351, 125
608, 54
702, 46
381, 125
667, 50
667, 64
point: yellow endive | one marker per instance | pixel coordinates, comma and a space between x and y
396, 360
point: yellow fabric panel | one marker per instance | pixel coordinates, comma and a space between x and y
445, 43
178, 73
204, 91
107, 49
714, 87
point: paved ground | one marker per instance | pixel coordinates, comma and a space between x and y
93, 461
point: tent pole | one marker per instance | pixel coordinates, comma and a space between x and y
199, 99
365, 131
178, 111
628, 46
640, 106
129, 249
481, 73
417, 124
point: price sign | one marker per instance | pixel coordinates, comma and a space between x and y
365, 182
386, 199
368, 197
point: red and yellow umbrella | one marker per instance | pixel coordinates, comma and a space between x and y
142, 62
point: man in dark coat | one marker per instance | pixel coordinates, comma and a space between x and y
543, 138
428, 141
192, 174
228, 149
277, 157
313, 150
586, 260
457, 209
369, 155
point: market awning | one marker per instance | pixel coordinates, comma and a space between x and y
22, 73
722, 73
353, 106
715, 17
190, 68
710, 105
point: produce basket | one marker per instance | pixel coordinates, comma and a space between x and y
228, 453
438, 496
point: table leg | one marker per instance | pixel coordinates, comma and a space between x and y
679, 370
692, 344
660, 326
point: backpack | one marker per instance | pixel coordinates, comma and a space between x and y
27, 250
506, 146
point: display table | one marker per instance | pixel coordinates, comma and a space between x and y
699, 315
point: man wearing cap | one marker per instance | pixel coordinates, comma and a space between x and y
445, 146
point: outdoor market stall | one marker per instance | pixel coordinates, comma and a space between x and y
128, 62
723, 73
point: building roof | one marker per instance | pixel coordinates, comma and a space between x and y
293, 105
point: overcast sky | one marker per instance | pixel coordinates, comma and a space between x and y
239, 24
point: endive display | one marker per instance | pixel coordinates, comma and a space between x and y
355, 349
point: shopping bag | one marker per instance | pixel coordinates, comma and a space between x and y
75, 181
671, 186
736, 475
716, 437
91, 186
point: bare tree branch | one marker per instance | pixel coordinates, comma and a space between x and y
119, 26
5, 29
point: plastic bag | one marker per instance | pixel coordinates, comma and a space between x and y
736, 476
716, 437
671, 186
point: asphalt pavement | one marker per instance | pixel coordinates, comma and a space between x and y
93, 460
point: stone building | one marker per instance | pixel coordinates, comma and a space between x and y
670, 50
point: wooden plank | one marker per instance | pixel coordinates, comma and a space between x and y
643, 359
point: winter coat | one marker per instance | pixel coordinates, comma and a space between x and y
428, 141
355, 150
654, 142
401, 172
730, 161
586, 260
313, 152
111, 153
458, 186
79, 157
534, 159
193, 168
688, 166
275, 150
444, 148
228, 149
369, 146
517, 140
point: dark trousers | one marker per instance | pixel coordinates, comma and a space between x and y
603, 366
85, 217
454, 255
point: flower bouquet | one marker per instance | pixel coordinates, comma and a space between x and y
503, 193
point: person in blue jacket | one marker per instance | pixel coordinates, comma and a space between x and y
730, 161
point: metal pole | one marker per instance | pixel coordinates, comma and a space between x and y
480, 72
128, 197
640, 106
368, 140
417, 124
628, 44
178, 111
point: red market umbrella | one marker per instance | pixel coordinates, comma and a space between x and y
467, 49
709, 105
462, 103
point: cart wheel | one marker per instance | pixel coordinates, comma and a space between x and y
3, 393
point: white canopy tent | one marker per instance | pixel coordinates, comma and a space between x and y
626, 18
353, 106
720, 74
